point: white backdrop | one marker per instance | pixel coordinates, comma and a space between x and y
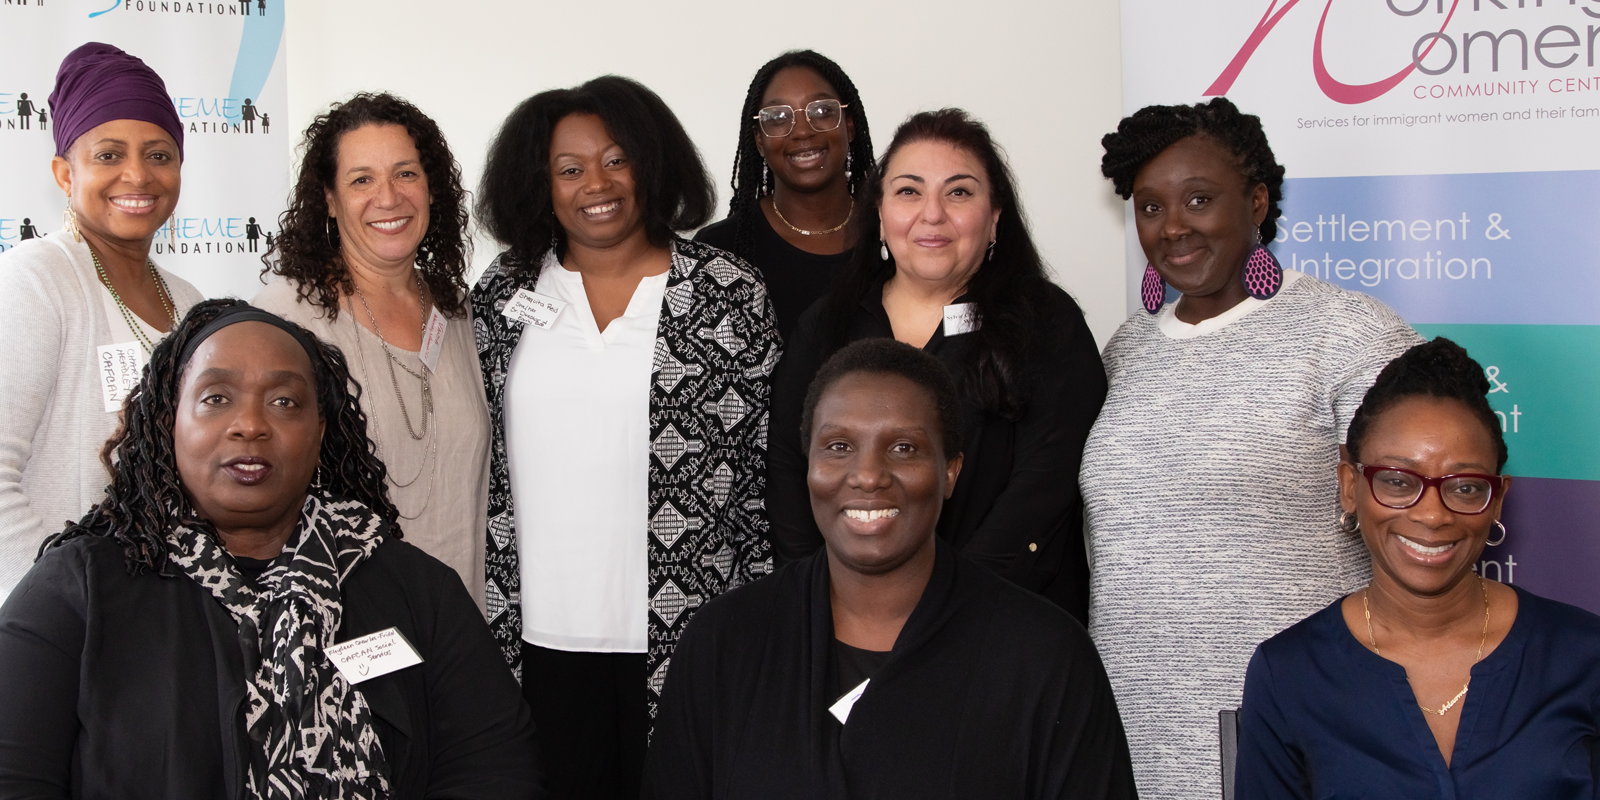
1043, 75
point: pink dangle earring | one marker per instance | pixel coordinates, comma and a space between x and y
1153, 290
1262, 275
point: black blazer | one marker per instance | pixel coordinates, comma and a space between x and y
116, 686
1016, 507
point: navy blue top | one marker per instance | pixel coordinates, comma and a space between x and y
1324, 717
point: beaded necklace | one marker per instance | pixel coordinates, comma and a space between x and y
161, 290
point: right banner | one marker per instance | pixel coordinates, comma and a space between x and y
1444, 157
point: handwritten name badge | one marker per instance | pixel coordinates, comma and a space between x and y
119, 367
433, 340
961, 318
532, 308
372, 655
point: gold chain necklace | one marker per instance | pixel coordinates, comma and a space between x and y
1444, 709
803, 231
127, 316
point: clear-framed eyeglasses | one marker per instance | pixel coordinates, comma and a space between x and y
822, 115
1463, 493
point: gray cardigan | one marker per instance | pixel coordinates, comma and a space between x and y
53, 420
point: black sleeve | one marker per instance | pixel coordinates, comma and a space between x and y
794, 530
482, 738
678, 764
1041, 495
718, 234
1086, 751
42, 629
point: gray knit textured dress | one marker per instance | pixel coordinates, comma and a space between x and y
1212, 498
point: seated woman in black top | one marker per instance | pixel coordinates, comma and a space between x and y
952, 269
803, 153
177, 641
1433, 681
887, 665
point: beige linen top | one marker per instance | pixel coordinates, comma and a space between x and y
442, 495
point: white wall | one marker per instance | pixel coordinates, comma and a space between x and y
1044, 74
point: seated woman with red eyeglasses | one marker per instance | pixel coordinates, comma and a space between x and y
1432, 681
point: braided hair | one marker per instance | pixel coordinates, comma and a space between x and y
1152, 129
307, 248
146, 497
748, 186
1440, 368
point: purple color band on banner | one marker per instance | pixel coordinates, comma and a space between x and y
98, 83
1552, 542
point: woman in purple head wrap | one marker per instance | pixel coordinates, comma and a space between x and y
85, 305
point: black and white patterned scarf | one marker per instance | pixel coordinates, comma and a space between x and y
313, 731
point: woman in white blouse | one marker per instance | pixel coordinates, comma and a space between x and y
371, 257
85, 305
627, 371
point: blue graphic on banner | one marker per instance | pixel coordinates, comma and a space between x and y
1514, 248
258, 50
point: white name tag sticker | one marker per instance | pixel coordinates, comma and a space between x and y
961, 318
433, 340
119, 367
532, 308
372, 655
841, 709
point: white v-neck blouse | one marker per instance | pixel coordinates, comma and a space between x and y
577, 432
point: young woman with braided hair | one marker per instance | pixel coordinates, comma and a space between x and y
1209, 478
176, 640
804, 152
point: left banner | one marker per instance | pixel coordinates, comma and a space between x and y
223, 64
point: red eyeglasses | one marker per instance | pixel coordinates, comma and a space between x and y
1463, 493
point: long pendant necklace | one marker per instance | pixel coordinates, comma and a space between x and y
127, 316
430, 461
803, 231
1444, 709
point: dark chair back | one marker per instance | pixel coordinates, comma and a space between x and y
1228, 734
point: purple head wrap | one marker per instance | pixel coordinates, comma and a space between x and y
98, 83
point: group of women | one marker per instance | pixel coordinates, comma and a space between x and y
343, 521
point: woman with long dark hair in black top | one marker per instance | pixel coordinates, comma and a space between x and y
804, 151
954, 271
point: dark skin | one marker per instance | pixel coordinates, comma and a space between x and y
1197, 217
597, 206
247, 434
878, 478
808, 167
1427, 608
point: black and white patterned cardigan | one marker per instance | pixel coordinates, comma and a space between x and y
716, 346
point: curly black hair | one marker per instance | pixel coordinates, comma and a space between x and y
1007, 289
890, 357
1153, 129
515, 201
307, 247
146, 498
1440, 368
747, 184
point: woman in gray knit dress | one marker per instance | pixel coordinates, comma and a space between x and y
1209, 479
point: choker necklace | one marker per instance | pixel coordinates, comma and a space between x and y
1444, 709
127, 316
803, 231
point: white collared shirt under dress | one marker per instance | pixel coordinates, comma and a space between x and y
577, 428
1210, 490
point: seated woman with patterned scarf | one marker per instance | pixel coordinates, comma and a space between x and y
187, 637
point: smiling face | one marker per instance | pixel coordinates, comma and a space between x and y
247, 432
592, 184
878, 475
123, 178
379, 197
805, 160
936, 213
1197, 218
1425, 549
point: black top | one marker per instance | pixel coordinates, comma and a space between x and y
851, 666
795, 278
118, 685
250, 569
989, 692
1016, 507
1324, 716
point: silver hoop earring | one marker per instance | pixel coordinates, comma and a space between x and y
328, 230
883, 250
990, 257
1502, 539
1348, 523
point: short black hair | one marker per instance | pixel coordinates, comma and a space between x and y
1440, 368
890, 357
671, 184
1153, 129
